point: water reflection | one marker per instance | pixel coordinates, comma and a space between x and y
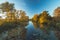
27, 31
41, 33
15, 33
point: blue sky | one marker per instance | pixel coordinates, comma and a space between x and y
32, 7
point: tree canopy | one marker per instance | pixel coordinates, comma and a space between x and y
6, 7
44, 17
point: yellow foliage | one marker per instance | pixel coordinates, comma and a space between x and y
41, 26
43, 19
10, 17
35, 18
35, 24
1, 21
24, 18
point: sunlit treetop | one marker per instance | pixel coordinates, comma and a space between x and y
35, 17
44, 13
44, 17
57, 12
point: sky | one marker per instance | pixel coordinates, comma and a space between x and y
32, 7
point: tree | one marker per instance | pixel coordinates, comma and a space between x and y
22, 13
44, 19
11, 17
6, 7
35, 18
56, 18
23, 16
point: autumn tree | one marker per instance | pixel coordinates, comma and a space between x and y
9, 9
35, 21
23, 16
56, 19
6, 7
35, 18
44, 20
10, 17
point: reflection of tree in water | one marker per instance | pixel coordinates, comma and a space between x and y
18, 32
15, 30
18, 29
44, 22
35, 25
23, 29
43, 34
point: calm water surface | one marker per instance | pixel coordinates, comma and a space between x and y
33, 33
